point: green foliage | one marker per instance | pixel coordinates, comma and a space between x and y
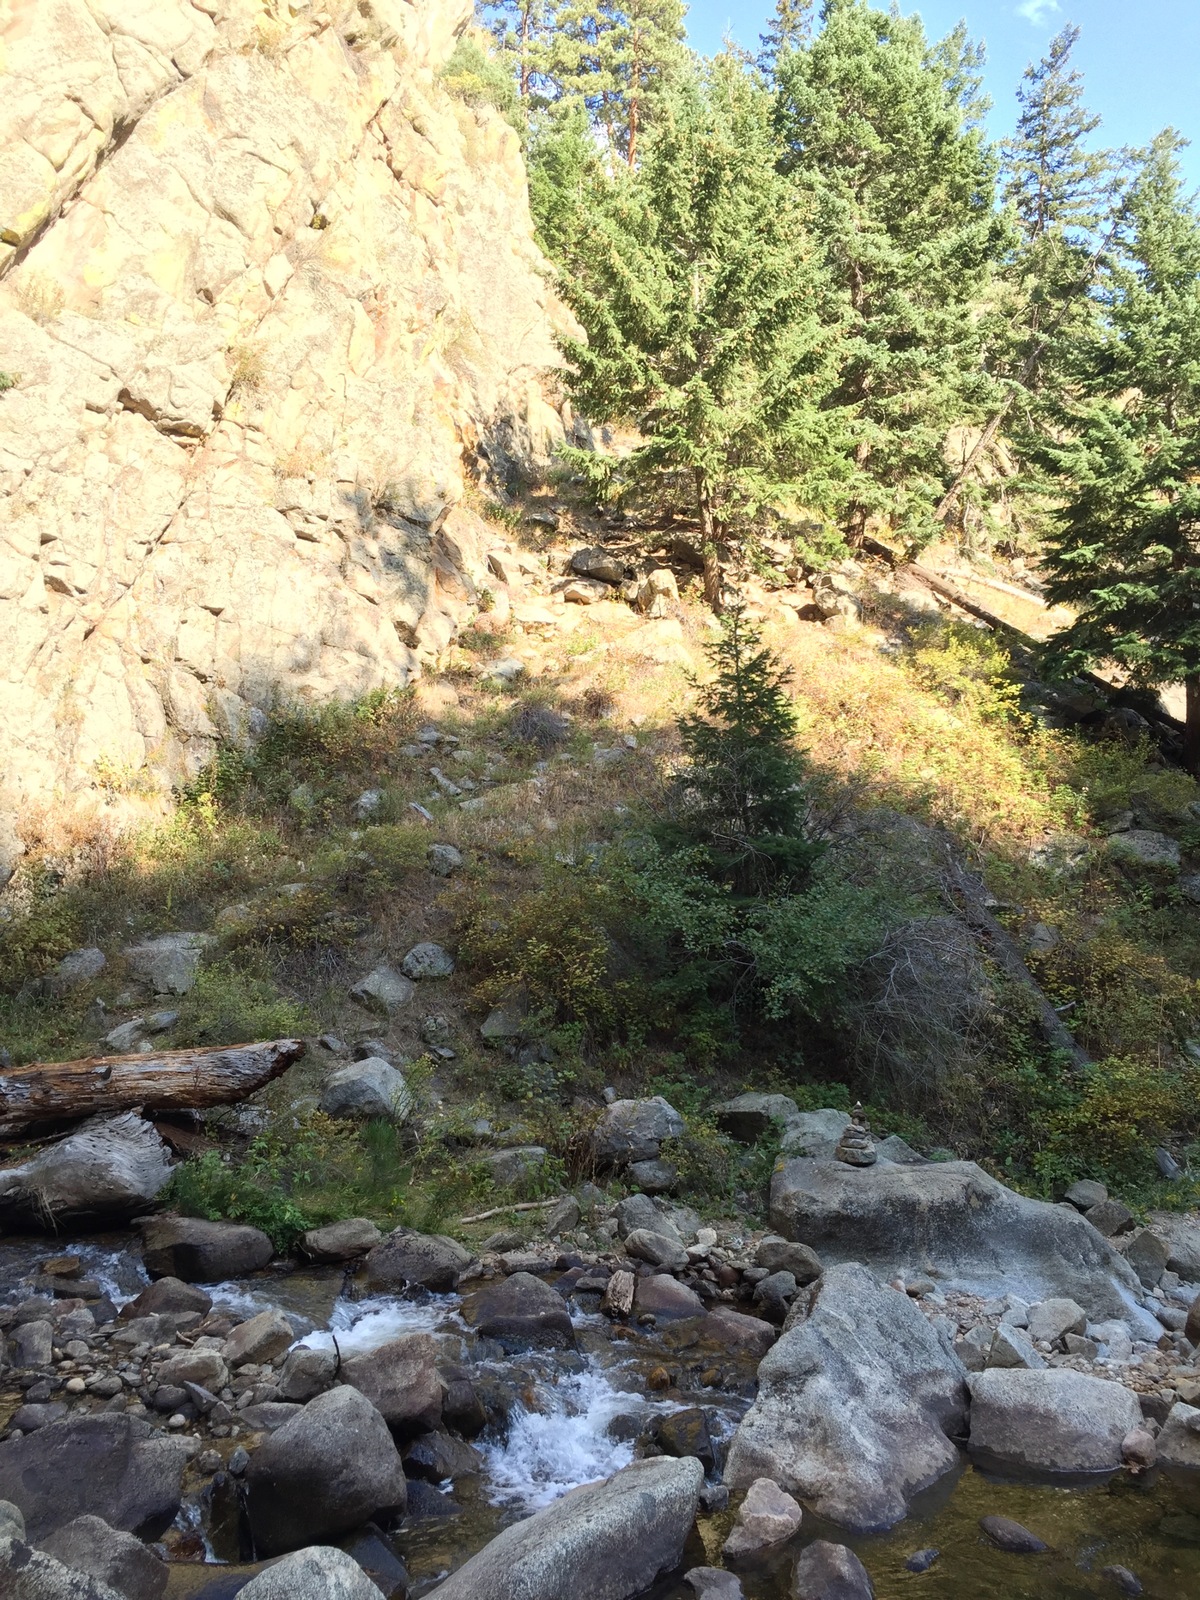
30, 944
232, 1004
9, 380
1126, 445
204, 1186
743, 795
473, 74
790, 28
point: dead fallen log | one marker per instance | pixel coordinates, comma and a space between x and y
168, 1080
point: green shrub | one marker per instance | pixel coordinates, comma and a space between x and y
232, 1004
471, 74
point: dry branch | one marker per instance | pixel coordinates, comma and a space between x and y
171, 1080
500, 1211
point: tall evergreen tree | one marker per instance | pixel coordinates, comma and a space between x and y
711, 326
882, 144
1125, 554
524, 31
616, 59
790, 28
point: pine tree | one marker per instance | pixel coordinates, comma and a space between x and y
710, 324
1125, 554
789, 29
524, 31
744, 791
616, 59
882, 142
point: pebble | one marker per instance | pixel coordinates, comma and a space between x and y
239, 1461
76, 1385
177, 1421
921, 1560
1011, 1536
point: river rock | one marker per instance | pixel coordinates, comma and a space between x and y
170, 962
437, 1456
1011, 1536
202, 1252
1179, 1440
127, 1565
1124, 1580
632, 1130
34, 1415
328, 1470
713, 1583
1191, 1328
825, 1571
111, 1466
383, 990
1051, 1421
656, 1249
777, 1254
665, 1299
1111, 1218
169, 1296
32, 1344
608, 1541
814, 1134
427, 960
637, 1212
371, 1088
765, 1517
1085, 1194
564, 1217
1182, 1235
109, 1168
509, 1167
774, 1295
1050, 1320
1011, 1347
341, 1241
856, 1404
653, 1177
203, 1367
522, 1312
407, 1258
306, 1373
29, 1574
401, 1381
1147, 1254
949, 1218
260, 1339
318, 1573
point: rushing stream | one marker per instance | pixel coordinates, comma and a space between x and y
576, 1416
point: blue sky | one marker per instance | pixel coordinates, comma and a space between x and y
1139, 61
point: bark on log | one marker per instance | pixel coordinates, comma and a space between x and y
171, 1080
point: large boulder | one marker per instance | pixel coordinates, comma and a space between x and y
127, 1565
318, 1573
107, 1169
1182, 1234
1052, 1420
202, 1252
747, 1117
407, 1258
1179, 1441
608, 1541
401, 1381
328, 1470
952, 1221
341, 1241
522, 1312
370, 1088
170, 962
857, 1403
29, 1574
115, 1467
384, 990
632, 1130
814, 1133
825, 1571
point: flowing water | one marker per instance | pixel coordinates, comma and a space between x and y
575, 1417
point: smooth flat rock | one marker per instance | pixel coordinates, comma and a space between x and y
405, 1257
951, 1220
1054, 1421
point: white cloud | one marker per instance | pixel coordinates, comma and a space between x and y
1038, 11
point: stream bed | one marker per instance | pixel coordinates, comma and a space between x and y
576, 1416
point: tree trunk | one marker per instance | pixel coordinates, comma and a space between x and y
708, 541
1191, 726
171, 1080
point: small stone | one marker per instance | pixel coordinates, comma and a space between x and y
1085, 1194
713, 1583
767, 1516
427, 960
444, 860
383, 990
1011, 1347
1078, 1344
921, 1560
1147, 1254
1110, 1218
1138, 1449
855, 1147
76, 1385
1051, 1319
1011, 1536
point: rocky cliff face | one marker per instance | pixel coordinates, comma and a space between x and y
270, 297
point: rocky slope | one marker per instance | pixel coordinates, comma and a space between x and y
269, 298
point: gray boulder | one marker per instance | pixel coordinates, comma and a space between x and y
856, 1403
108, 1169
167, 1296
341, 1241
638, 1211
507, 1167
632, 1130
608, 1541
1053, 1420
169, 964
260, 1338
1179, 1441
330, 1469
202, 1252
777, 1254
653, 1177
1145, 856
521, 1312
814, 1133
307, 1373
371, 1088
1050, 1320
318, 1573
28, 1574
713, 1583
748, 1117
765, 1517
657, 1249
1147, 1254
825, 1571
127, 1565
115, 1467
406, 1258
401, 1381
77, 967
383, 990
1182, 1235
444, 859
951, 1220
427, 960
666, 1299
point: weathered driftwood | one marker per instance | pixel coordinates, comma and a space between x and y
167, 1080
